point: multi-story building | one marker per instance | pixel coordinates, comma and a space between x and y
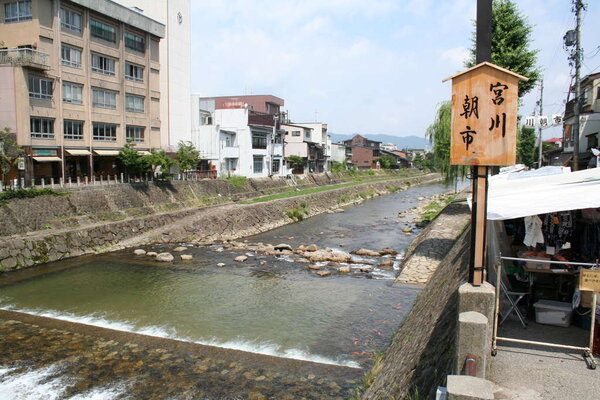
176, 66
589, 124
78, 79
362, 152
320, 146
240, 135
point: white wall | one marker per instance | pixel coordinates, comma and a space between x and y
338, 152
176, 68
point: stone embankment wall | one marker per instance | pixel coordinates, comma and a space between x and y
421, 353
93, 204
205, 224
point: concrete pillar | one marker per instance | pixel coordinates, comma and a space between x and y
481, 299
462, 387
472, 338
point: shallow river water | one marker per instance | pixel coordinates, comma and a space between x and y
269, 305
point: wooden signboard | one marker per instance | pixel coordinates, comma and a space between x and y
589, 280
484, 116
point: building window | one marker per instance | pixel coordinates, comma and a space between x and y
134, 103
276, 164
70, 56
134, 72
40, 88
259, 141
592, 141
258, 164
103, 65
72, 93
205, 118
135, 42
103, 31
104, 132
307, 135
295, 133
73, 130
70, 20
102, 98
134, 133
42, 128
17, 11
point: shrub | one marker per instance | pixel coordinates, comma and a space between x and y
237, 181
29, 193
299, 212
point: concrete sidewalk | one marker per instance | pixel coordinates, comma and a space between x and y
527, 372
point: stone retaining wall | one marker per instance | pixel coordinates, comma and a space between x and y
92, 204
205, 224
421, 353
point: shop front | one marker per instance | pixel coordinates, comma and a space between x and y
44, 164
544, 231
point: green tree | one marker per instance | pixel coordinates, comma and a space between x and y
438, 134
132, 160
295, 161
337, 166
526, 147
10, 151
157, 161
386, 161
511, 40
187, 156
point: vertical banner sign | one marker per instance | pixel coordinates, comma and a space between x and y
484, 116
484, 133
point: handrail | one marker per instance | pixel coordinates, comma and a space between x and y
550, 261
24, 56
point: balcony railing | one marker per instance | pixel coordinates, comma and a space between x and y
256, 118
25, 58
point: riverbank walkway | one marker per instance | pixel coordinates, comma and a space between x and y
527, 372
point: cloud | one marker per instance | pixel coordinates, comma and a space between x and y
456, 55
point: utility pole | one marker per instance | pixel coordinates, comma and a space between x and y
483, 52
578, 6
541, 104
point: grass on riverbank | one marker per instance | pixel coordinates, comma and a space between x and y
302, 192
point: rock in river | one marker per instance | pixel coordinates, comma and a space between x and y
314, 267
367, 252
186, 257
323, 273
139, 252
165, 257
151, 254
344, 269
283, 246
240, 258
180, 248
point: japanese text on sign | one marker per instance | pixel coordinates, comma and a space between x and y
589, 280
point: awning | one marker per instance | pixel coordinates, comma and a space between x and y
47, 159
79, 152
144, 152
515, 198
106, 152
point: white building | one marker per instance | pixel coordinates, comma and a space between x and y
175, 65
338, 153
236, 139
321, 161
388, 147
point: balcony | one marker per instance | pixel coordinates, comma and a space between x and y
24, 58
230, 152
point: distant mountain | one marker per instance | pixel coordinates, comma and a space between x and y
412, 142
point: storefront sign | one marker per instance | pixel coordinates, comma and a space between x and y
484, 116
589, 280
21, 164
39, 152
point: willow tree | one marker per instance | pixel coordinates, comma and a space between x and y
438, 134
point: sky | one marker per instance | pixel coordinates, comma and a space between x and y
371, 66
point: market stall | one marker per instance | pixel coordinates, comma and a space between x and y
543, 230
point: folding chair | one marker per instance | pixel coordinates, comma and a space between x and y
513, 298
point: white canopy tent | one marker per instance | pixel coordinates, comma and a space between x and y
527, 193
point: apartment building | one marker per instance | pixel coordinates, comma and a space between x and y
176, 66
78, 79
589, 125
362, 152
320, 145
240, 135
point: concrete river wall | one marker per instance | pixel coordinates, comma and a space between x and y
51, 228
422, 351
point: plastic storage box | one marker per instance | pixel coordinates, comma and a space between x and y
553, 313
